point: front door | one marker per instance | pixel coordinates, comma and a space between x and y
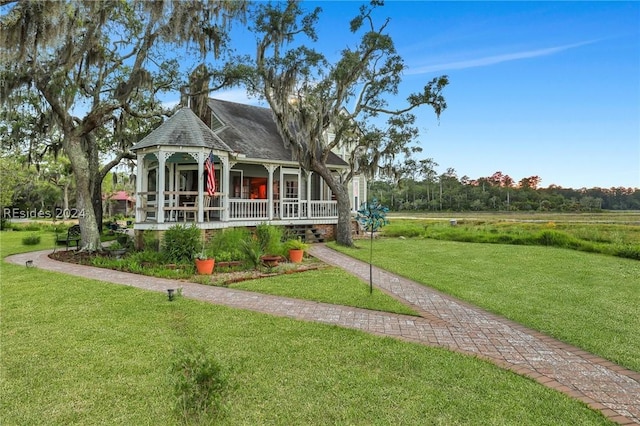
290, 194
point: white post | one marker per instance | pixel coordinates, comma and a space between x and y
200, 200
309, 194
160, 188
270, 168
225, 177
140, 171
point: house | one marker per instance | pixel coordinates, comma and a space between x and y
119, 202
234, 172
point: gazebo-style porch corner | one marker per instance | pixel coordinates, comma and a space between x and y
244, 192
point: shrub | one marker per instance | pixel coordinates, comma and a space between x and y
199, 384
150, 241
125, 241
180, 243
31, 240
270, 238
148, 256
229, 240
252, 252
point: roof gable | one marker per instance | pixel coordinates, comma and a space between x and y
252, 131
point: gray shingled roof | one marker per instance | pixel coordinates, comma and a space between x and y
252, 131
183, 128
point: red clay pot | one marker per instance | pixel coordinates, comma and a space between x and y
205, 266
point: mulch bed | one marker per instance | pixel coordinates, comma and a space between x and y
218, 278
73, 256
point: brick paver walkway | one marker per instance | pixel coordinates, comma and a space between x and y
445, 322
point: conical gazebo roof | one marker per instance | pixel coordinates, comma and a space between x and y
184, 129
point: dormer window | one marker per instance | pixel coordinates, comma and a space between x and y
216, 124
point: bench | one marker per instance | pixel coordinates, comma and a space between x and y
116, 228
72, 235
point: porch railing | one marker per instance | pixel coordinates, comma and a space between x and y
146, 208
248, 209
323, 209
178, 206
183, 206
304, 209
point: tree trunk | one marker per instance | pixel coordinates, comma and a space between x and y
95, 178
97, 199
343, 231
65, 197
90, 235
339, 189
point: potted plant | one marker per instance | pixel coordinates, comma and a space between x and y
296, 250
204, 263
116, 249
270, 260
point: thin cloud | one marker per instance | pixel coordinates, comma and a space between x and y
492, 60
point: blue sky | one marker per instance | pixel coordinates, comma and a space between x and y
536, 88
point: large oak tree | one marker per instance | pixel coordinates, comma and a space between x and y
96, 64
312, 98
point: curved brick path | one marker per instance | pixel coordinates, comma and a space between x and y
445, 322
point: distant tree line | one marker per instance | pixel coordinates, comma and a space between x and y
417, 187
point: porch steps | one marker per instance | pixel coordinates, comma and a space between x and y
306, 233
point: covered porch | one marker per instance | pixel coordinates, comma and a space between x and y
172, 188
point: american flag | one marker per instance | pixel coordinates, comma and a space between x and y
211, 176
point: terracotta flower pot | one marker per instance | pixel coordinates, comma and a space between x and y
296, 255
270, 260
205, 266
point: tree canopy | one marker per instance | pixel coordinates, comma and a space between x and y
320, 106
98, 65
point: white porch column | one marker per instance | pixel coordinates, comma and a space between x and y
225, 177
270, 168
365, 190
140, 172
309, 173
160, 188
200, 200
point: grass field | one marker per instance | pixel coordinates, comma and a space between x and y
78, 351
616, 234
589, 300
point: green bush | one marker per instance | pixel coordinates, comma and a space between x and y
199, 383
148, 256
31, 240
229, 240
270, 239
180, 243
150, 241
252, 252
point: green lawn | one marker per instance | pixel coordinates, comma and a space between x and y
79, 351
589, 300
329, 285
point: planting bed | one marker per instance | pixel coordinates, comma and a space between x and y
222, 276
